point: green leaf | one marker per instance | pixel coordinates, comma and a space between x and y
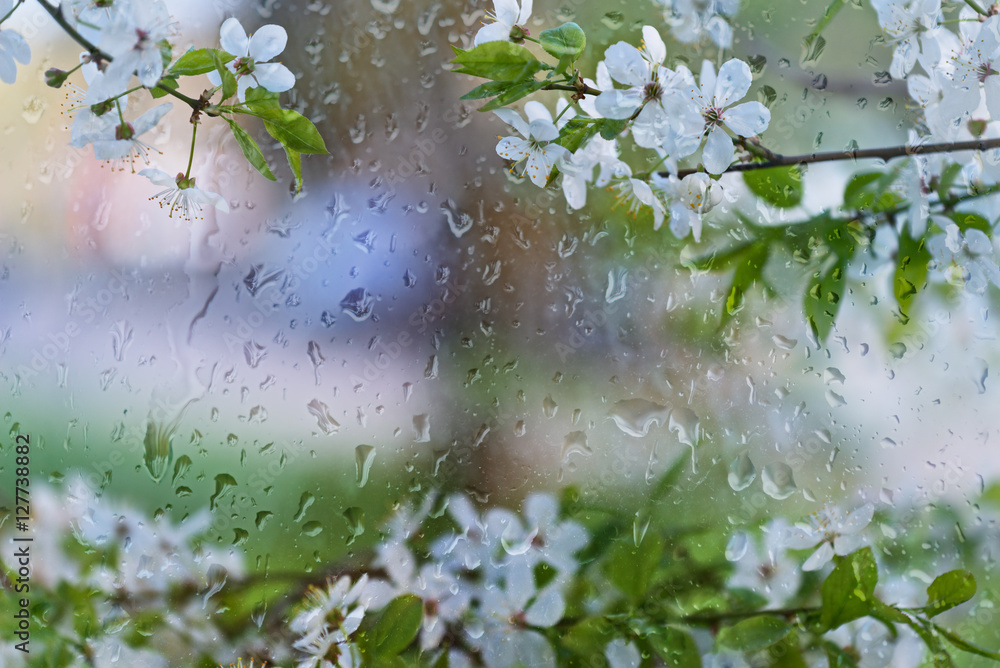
515, 92
295, 163
588, 637
500, 61
488, 89
828, 15
754, 634
228, 80
398, 625
747, 274
823, 296
260, 100
293, 130
869, 191
675, 647
948, 590
971, 221
912, 259
251, 151
198, 61
631, 568
848, 590
780, 186
167, 82
948, 176
576, 133
566, 43
611, 128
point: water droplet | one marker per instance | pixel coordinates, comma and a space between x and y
158, 448
385, 6
364, 456
613, 20
617, 285
232, 440
519, 429
882, 78
458, 221
887, 443
355, 518
575, 443
820, 82
737, 546
640, 525
312, 528
783, 342
240, 536
323, 418
365, 241
685, 424
358, 304
777, 480
549, 406
306, 500
262, 518
121, 338
833, 375
421, 428
757, 64
512, 543
636, 416
742, 472
980, 370
259, 277
835, 400
181, 467
216, 577
812, 50
224, 483
253, 353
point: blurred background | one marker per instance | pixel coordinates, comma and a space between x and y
418, 317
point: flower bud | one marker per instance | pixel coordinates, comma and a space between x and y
55, 77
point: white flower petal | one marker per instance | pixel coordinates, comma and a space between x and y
8, 70
233, 38
492, 32
267, 42
16, 46
719, 151
538, 168
626, 65
543, 130
655, 47
513, 119
158, 177
619, 104
506, 12
547, 609
275, 77
513, 148
747, 119
732, 83
819, 558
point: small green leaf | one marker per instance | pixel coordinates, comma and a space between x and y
398, 625
747, 274
162, 86
515, 92
836, 657
823, 296
611, 128
500, 61
910, 276
251, 151
848, 591
964, 645
228, 80
295, 162
971, 221
675, 647
566, 42
198, 61
576, 133
488, 89
293, 130
260, 100
780, 186
631, 567
869, 191
948, 176
754, 634
948, 590
588, 636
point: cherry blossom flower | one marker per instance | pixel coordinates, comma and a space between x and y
12, 48
713, 98
915, 28
115, 140
770, 571
968, 259
181, 193
251, 67
691, 21
834, 532
691, 197
134, 39
328, 620
508, 22
578, 170
537, 146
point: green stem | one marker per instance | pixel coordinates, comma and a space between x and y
194, 133
8, 14
975, 5
560, 115
585, 89
716, 617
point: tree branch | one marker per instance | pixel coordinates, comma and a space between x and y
886, 153
96, 53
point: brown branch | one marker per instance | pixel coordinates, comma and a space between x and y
886, 153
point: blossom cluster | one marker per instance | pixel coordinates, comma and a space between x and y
128, 48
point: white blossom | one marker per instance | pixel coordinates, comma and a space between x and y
507, 15
180, 193
251, 67
536, 145
13, 48
834, 532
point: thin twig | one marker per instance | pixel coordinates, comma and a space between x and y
886, 153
